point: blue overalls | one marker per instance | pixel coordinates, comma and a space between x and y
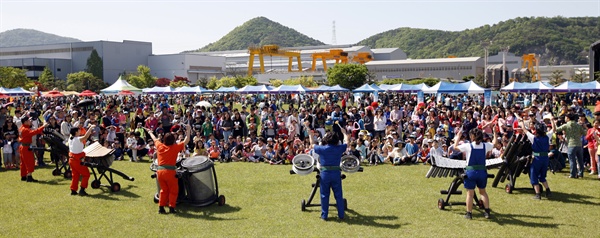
476, 171
331, 177
539, 165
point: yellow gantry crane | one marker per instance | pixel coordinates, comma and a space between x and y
362, 57
271, 50
531, 63
334, 54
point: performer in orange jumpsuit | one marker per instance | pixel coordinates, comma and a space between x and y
167, 151
25, 138
76, 154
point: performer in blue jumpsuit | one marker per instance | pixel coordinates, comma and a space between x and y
330, 156
476, 153
540, 144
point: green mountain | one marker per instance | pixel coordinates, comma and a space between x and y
558, 40
260, 31
23, 37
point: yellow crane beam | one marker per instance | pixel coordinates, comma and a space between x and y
334, 54
272, 50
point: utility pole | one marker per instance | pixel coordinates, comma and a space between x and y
504, 52
485, 46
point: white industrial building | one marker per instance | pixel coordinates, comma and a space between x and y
66, 58
192, 66
444, 68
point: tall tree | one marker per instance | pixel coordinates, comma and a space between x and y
11, 77
80, 81
557, 77
48, 81
95, 66
349, 76
143, 78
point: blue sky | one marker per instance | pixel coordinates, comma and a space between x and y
175, 26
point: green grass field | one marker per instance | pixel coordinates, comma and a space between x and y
264, 201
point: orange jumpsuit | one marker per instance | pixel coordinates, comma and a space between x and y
169, 187
78, 170
27, 159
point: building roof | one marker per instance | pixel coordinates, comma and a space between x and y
423, 61
384, 50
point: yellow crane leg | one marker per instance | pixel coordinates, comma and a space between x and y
314, 64
250, 64
324, 64
290, 64
262, 63
299, 64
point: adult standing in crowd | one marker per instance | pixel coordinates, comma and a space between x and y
573, 133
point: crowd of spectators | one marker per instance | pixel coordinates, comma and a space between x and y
386, 128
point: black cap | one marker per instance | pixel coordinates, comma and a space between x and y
24, 119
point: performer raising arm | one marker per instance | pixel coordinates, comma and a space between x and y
167, 151
540, 144
26, 138
476, 153
330, 156
76, 154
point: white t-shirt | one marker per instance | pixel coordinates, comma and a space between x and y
75, 145
466, 148
531, 136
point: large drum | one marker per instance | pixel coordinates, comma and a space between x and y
200, 180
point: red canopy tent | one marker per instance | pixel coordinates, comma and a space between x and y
2, 95
126, 93
52, 94
87, 93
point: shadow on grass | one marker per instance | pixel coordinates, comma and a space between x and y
57, 181
108, 195
207, 213
563, 197
356, 218
514, 219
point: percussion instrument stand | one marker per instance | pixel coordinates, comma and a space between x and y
64, 164
453, 189
315, 187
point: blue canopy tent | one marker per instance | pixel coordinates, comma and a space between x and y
337, 88
226, 90
569, 86
368, 89
536, 87
289, 89
159, 90
17, 92
187, 90
447, 87
322, 89
387, 86
261, 89
409, 88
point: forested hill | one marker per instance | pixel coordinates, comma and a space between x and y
260, 31
24, 37
558, 40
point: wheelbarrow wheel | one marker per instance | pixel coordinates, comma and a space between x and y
221, 200
68, 174
95, 184
115, 187
56, 172
441, 204
155, 198
480, 204
303, 205
345, 204
508, 188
